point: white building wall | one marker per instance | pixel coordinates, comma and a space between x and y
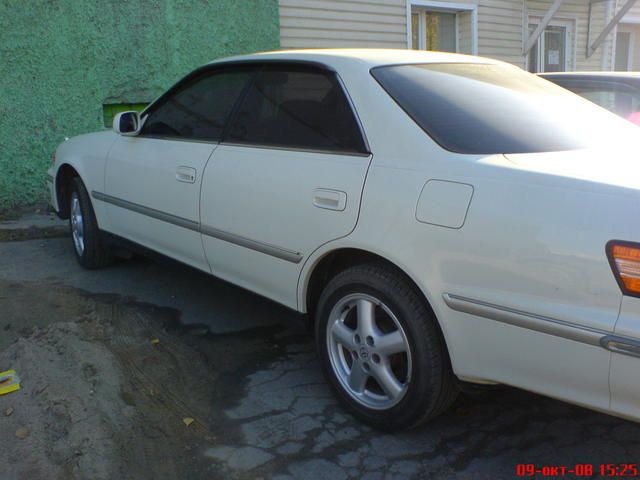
336, 23
502, 26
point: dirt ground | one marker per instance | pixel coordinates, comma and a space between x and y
115, 363
114, 388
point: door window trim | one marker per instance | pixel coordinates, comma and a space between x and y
257, 66
190, 77
289, 64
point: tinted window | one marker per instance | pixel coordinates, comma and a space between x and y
297, 108
198, 109
488, 109
619, 99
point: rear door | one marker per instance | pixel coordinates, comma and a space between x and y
152, 181
286, 179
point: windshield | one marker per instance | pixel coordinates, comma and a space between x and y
487, 109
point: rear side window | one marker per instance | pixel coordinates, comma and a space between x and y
297, 107
198, 109
496, 108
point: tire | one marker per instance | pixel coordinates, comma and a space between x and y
89, 250
403, 389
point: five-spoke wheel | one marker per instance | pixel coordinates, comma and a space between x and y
369, 351
77, 224
381, 348
85, 234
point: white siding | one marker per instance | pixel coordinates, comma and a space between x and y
634, 13
502, 26
500, 34
335, 23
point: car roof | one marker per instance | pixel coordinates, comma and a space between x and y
369, 57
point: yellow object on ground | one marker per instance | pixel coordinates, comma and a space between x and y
9, 382
188, 421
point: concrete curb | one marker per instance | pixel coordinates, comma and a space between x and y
32, 226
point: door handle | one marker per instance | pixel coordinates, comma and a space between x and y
330, 199
186, 174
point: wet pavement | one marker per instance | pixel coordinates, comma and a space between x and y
249, 376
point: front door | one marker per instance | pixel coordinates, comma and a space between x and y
152, 181
286, 179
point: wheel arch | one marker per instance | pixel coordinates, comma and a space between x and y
332, 262
65, 175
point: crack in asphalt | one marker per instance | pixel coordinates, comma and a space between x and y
263, 407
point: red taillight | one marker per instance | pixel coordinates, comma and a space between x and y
624, 258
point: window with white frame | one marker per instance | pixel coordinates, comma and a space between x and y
442, 26
553, 50
433, 31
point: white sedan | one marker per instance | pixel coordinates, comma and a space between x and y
441, 218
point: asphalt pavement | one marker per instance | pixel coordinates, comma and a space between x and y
270, 414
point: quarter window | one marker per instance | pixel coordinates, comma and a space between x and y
297, 107
198, 109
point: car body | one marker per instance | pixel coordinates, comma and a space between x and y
618, 92
418, 206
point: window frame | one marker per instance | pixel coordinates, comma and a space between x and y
443, 7
321, 68
255, 66
570, 46
422, 27
191, 77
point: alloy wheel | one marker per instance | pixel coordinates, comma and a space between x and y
77, 224
369, 351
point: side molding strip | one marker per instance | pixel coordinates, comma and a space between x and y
623, 345
278, 252
149, 212
268, 249
538, 323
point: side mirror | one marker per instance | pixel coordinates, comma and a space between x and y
127, 123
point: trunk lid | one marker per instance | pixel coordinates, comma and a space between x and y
618, 167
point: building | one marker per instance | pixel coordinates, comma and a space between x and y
69, 65
538, 35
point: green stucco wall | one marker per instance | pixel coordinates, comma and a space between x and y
61, 60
